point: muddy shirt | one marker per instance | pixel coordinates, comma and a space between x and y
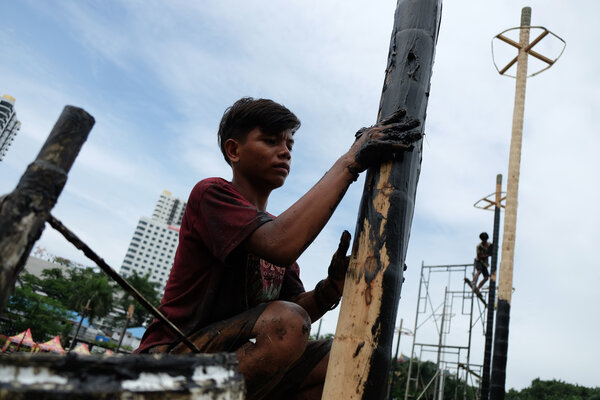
483, 252
212, 277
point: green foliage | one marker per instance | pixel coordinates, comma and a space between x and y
149, 290
42, 304
553, 390
88, 285
322, 337
56, 284
62, 261
28, 308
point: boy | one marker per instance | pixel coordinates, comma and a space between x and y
235, 284
484, 250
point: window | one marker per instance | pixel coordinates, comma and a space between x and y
126, 262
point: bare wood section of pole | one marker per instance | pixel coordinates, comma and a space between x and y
24, 211
514, 165
360, 356
499, 361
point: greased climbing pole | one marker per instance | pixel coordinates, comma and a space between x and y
360, 356
525, 49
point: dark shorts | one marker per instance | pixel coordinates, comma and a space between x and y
482, 268
230, 334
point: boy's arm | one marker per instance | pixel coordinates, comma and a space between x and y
282, 240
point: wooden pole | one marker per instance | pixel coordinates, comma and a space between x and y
129, 315
395, 362
510, 218
489, 328
86, 308
360, 356
24, 211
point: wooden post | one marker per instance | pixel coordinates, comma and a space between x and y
489, 328
510, 218
360, 356
129, 315
86, 308
24, 211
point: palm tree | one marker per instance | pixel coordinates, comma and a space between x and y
94, 287
147, 289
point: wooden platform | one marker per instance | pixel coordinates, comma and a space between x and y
57, 377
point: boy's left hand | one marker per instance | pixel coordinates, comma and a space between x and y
339, 262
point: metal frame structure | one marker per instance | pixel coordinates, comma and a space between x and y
446, 309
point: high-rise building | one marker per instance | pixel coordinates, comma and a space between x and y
169, 209
154, 242
9, 125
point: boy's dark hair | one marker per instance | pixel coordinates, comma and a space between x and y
483, 236
248, 113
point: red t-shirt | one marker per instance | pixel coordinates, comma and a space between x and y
213, 278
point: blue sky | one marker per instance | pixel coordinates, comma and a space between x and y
157, 77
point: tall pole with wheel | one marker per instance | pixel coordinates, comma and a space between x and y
510, 218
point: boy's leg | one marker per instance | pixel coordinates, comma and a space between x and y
267, 339
486, 276
476, 277
281, 334
305, 379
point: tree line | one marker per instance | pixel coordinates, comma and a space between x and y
46, 304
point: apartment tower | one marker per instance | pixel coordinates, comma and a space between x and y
154, 242
9, 125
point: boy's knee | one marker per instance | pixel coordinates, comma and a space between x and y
284, 328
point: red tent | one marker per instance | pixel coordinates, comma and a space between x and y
53, 346
22, 339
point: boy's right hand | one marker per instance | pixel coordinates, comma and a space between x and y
339, 262
381, 142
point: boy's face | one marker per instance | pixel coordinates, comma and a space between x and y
263, 159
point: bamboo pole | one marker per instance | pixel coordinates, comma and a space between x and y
510, 218
489, 329
360, 356
24, 211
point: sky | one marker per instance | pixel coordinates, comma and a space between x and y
157, 77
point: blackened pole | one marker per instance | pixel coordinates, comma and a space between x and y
510, 218
360, 357
489, 326
24, 212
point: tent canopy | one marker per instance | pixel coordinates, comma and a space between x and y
24, 338
53, 345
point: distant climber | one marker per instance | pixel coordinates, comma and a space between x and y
484, 250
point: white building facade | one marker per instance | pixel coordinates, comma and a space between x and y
9, 125
154, 242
